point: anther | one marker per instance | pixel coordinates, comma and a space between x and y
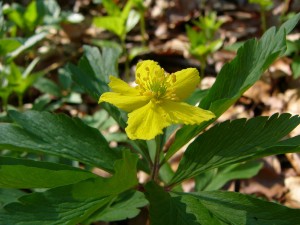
148, 93
173, 78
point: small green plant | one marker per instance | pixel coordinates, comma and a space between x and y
202, 39
55, 95
265, 5
36, 14
121, 21
33, 21
25, 18
148, 113
16, 80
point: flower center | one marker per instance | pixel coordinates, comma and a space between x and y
157, 84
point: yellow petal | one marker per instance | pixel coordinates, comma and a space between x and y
183, 113
186, 82
120, 86
147, 122
148, 69
126, 102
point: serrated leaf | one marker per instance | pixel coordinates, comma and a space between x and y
59, 135
214, 208
126, 205
109, 59
94, 68
22, 173
165, 209
232, 172
231, 208
92, 74
71, 204
236, 141
252, 59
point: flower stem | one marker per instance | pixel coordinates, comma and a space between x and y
156, 164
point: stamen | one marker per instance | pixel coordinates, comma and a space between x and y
173, 78
157, 85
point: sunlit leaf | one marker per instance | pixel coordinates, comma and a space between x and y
252, 59
236, 141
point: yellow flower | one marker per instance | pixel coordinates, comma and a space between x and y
156, 101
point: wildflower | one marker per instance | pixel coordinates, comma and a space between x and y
157, 100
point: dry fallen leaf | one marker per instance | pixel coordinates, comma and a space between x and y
293, 197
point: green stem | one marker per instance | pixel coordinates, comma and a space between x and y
143, 28
263, 20
156, 164
20, 101
284, 11
202, 66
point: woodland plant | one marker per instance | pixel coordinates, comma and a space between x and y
121, 21
58, 193
34, 22
202, 37
264, 5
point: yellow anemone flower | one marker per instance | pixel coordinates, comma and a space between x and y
156, 101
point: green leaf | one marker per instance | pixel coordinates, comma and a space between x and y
27, 82
237, 141
233, 208
214, 208
252, 59
108, 58
132, 20
111, 8
263, 3
94, 69
48, 86
22, 173
236, 171
87, 81
92, 75
15, 14
59, 135
165, 209
9, 195
34, 14
71, 204
111, 23
28, 43
126, 205
8, 45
